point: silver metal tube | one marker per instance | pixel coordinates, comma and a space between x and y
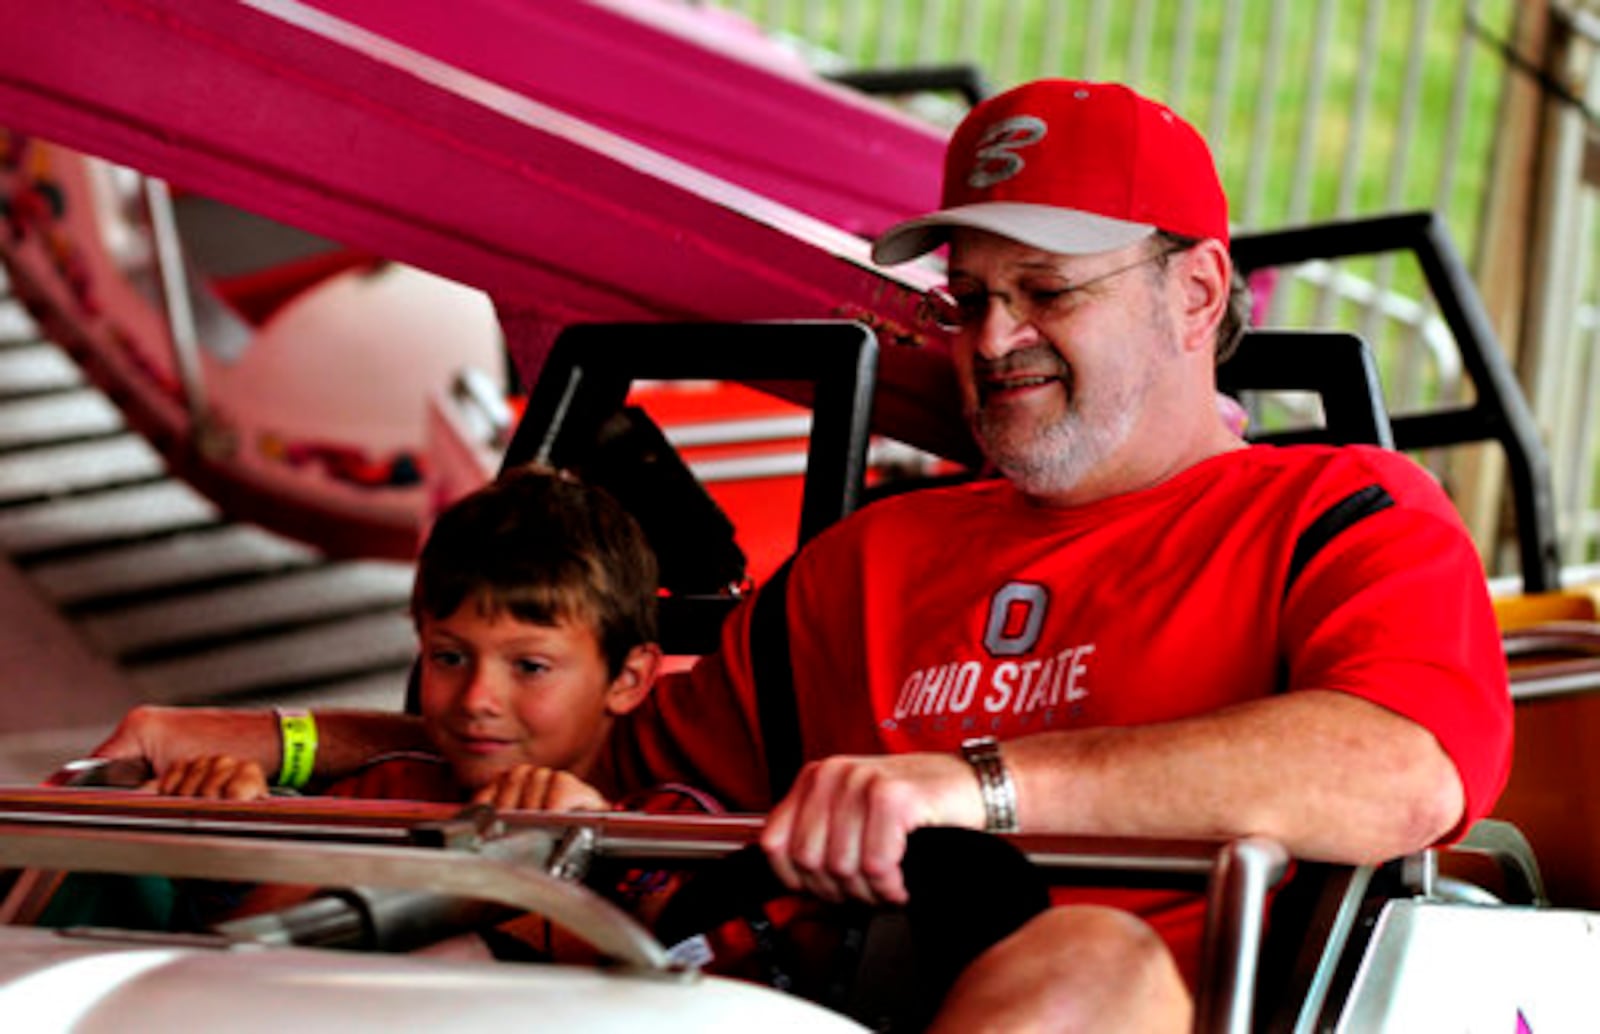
508, 869
473, 388
175, 296
1236, 918
326, 922
494, 875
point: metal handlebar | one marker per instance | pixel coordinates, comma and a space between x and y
505, 861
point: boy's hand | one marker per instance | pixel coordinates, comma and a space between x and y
216, 776
536, 788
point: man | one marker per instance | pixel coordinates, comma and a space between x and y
1145, 629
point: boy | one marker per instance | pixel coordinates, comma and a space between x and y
534, 604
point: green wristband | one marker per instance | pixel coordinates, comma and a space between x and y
299, 732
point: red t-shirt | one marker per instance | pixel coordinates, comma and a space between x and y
938, 615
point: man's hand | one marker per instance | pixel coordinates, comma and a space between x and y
165, 736
536, 788
216, 776
841, 831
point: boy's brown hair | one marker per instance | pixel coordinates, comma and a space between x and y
540, 545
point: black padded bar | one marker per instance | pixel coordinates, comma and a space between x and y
1336, 365
590, 368
966, 80
1500, 412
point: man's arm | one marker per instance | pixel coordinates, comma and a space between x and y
1329, 775
346, 739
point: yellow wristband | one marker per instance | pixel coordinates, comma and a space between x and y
299, 731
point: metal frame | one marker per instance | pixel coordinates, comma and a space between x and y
829, 364
1500, 413
508, 857
1338, 366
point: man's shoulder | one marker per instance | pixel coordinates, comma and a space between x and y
1312, 478
1330, 464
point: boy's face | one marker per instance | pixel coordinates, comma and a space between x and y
498, 692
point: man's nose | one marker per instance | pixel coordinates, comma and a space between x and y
1003, 328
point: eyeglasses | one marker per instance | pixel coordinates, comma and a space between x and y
968, 308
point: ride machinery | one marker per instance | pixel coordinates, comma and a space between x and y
648, 192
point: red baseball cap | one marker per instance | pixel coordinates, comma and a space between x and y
1070, 167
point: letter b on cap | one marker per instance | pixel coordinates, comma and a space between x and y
996, 159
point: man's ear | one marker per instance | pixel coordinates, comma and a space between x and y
633, 683
1205, 281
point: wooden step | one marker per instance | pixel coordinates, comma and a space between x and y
15, 323
297, 598
32, 369
122, 514
58, 417
77, 467
326, 653
374, 691
208, 555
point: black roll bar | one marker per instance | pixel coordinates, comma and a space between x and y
1499, 413
830, 365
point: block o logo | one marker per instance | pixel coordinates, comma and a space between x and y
1016, 614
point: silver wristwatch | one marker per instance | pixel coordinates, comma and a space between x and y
994, 783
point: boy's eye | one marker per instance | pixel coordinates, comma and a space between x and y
529, 666
442, 658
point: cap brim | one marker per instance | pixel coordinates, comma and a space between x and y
1060, 230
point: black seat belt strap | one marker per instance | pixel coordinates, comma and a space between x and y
777, 709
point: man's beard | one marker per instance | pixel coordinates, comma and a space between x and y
1051, 459
1047, 459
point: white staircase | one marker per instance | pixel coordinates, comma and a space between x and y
187, 606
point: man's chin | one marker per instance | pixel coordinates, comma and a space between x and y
1042, 465
1020, 445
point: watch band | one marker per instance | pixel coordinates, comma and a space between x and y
994, 783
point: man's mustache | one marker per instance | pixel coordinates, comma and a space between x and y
1033, 361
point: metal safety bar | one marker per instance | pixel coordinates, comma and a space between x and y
508, 871
286, 841
1553, 658
171, 268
